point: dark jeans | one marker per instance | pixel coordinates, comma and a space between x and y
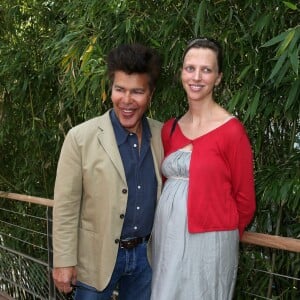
132, 274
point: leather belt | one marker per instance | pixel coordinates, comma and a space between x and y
132, 243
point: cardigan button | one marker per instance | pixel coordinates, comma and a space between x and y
117, 241
122, 216
124, 191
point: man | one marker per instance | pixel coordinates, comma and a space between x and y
107, 184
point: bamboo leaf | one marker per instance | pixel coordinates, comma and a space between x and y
293, 94
281, 75
128, 25
103, 91
200, 19
262, 22
254, 105
290, 5
278, 65
276, 39
245, 99
88, 52
81, 83
285, 189
244, 73
86, 56
285, 43
233, 101
155, 42
294, 59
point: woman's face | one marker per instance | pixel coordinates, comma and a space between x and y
200, 73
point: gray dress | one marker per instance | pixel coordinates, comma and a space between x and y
188, 266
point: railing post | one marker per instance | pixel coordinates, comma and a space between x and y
52, 292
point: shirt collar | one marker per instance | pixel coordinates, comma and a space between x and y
122, 134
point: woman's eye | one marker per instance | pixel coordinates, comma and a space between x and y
190, 68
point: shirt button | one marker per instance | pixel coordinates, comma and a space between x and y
124, 191
139, 187
134, 145
137, 207
135, 227
117, 241
122, 216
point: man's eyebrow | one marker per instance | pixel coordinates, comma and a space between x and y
118, 86
138, 89
141, 89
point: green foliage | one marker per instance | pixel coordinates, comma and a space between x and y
53, 76
28, 89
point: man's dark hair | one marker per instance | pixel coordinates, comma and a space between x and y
134, 58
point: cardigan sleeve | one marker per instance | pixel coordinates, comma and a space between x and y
241, 165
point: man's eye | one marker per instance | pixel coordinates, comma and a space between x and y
138, 92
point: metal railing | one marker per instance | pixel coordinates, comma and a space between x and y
26, 247
26, 256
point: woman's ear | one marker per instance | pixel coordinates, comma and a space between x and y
219, 78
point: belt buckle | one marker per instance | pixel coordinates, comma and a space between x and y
129, 244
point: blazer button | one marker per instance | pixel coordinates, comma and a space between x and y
117, 241
124, 191
122, 216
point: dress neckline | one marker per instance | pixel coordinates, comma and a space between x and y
209, 132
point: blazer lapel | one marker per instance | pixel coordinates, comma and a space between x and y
106, 138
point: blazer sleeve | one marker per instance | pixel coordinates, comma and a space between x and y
67, 200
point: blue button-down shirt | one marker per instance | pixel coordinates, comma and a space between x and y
141, 179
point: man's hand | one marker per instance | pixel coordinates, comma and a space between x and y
64, 277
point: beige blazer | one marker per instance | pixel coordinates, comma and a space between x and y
90, 195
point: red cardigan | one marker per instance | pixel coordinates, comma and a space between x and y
221, 186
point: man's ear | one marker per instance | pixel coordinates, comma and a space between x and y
151, 95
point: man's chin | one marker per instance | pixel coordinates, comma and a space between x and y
129, 126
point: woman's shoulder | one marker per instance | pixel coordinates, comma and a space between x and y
167, 126
233, 129
224, 117
234, 123
169, 132
169, 122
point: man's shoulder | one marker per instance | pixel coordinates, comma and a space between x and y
91, 123
90, 127
154, 123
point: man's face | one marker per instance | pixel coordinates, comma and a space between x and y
131, 96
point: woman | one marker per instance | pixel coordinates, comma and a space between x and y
208, 198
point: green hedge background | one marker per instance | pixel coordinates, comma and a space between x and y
52, 77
